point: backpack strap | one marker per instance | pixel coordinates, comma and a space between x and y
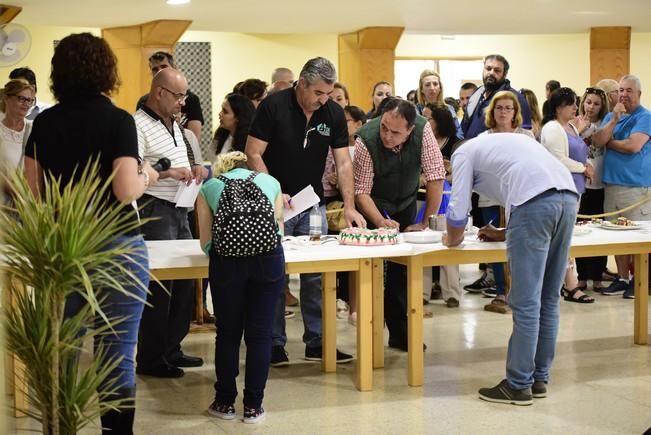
223, 179
251, 176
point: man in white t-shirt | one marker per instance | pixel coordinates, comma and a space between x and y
540, 199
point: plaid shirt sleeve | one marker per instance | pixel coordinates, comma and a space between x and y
432, 159
363, 169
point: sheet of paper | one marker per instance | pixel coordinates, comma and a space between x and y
186, 195
303, 200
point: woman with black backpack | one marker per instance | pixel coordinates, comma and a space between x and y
240, 225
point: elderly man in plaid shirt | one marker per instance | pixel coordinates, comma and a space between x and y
391, 152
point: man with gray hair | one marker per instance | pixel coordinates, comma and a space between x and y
282, 74
289, 139
625, 133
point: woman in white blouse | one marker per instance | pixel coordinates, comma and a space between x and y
16, 99
563, 139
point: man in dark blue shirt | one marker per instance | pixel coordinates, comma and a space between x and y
496, 67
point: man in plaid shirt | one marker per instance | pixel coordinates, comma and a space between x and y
391, 151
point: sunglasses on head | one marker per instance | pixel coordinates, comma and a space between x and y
597, 91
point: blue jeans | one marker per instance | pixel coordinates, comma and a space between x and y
488, 214
117, 304
310, 291
537, 240
244, 293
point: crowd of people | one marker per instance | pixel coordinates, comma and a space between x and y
588, 154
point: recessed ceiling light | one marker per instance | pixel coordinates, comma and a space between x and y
177, 2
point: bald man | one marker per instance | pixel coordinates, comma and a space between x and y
166, 322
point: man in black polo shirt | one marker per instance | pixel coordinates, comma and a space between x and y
289, 139
191, 115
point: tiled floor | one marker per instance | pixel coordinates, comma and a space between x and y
601, 382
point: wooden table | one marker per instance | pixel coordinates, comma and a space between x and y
597, 242
183, 259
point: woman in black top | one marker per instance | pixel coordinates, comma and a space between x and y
83, 126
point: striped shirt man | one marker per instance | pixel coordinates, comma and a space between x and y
155, 141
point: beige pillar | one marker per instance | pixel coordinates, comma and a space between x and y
365, 58
132, 46
610, 52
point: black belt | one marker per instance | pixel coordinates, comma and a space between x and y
148, 198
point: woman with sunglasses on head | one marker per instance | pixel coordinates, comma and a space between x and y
592, 108
563, 139
16, 99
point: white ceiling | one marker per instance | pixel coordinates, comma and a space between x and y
340, 16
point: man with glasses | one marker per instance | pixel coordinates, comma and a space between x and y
289, 139
191, 115
625, 133
27, 74
167, 320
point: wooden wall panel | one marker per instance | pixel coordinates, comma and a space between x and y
132, 46
365, 58
609, 53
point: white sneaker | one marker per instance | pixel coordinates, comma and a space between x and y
342, 309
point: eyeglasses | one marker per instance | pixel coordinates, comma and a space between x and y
25, 100
504, 108
179, 96
597, 91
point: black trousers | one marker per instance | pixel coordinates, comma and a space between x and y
395, 285
166, 321
591, 268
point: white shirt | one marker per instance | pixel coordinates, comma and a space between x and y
509, 169
12, 144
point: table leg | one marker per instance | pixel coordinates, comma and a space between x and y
364, 290
416, 361
198, 306
378, 312
329, 322
641, 310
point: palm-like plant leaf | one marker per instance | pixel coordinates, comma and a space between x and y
62, 243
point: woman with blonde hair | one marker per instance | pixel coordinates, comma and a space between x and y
430, 91
16, 99
536, 116
503, 115
245, 291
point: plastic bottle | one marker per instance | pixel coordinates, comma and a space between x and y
315, 223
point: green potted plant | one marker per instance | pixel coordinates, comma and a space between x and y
54, 246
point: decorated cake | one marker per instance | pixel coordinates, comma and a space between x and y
365, 237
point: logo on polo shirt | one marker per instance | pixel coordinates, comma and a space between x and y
323, 129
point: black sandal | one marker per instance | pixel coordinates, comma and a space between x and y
568, 295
